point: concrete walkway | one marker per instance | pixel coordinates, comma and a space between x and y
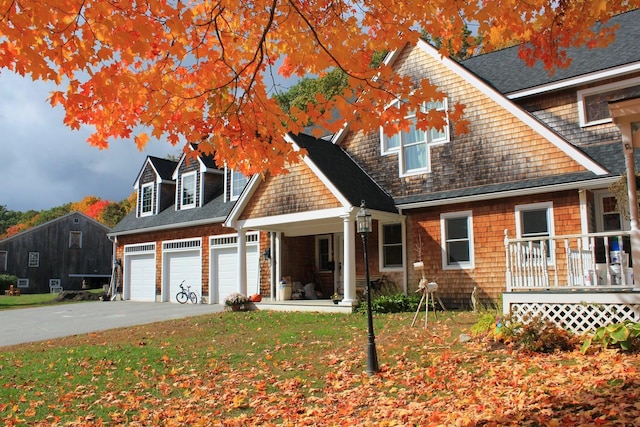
47, 322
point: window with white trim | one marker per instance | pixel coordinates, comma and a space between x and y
146, 204
3, 261
188, 199
390, 246
323, 252
34, 259
75, 239
23, 283
593, 103
238, 182
456, 230
413, 145
536, 220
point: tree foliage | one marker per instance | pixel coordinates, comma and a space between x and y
206, 71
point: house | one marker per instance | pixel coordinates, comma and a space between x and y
176, 235
532, 173
59, 254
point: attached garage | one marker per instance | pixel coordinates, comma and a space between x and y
224, 266
181, 263
140, 272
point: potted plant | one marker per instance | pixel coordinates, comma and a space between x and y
336, 298
235, 300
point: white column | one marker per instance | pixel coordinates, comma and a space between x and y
242, 261
278, 258
634, 233
273, 281
349, 267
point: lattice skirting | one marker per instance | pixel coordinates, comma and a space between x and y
578, 312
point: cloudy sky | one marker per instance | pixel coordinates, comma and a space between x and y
44, 164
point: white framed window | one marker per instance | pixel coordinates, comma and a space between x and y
188, 199
3, 260
34, 259
238, 182
608, 215
323, 252
75, 239
413, 145
23, 283
593, 103
456, 230
390, 246
536, 220
146, 204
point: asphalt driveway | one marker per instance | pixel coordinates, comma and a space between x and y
43, 323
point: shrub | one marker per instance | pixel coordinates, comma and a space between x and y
393, 303
7, 280
487, 323
536, 334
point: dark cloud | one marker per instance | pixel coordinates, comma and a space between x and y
45, 164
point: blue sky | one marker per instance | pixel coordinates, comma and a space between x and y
44, 164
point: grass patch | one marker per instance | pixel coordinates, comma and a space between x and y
269, 368
34, 300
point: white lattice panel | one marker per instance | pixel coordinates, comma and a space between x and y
577, 317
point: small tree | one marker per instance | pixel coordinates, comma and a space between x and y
621, 191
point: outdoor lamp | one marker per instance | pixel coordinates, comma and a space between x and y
363, 221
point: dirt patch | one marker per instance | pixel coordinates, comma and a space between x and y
78, 296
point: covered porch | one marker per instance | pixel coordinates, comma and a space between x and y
579, 282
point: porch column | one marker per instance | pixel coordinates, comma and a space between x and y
242, 261
626, 115
273, 262
349, 267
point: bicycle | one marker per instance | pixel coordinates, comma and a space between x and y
186, 295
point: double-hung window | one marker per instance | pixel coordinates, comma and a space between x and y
536, 220
323, 252
146, 204
238, 182
413, 145
391, 246
457, 240
188, 191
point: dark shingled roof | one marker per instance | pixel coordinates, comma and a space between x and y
505, 71
214, 212
165, 167
345, 174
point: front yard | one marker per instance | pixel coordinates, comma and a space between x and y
275, 368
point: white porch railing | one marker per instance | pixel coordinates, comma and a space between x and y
568, 262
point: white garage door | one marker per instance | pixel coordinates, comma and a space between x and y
142, 277
224, 275
183, 266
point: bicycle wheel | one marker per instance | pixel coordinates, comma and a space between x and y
181, 297
193, 297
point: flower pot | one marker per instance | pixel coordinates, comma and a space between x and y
336, 301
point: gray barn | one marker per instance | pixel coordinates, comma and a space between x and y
61, 253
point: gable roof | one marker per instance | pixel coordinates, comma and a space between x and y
163, 167
507, 73
342, 172
59, 219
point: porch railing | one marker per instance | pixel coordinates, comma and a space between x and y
568, 262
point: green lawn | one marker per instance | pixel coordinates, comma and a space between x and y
274, 368
31, 300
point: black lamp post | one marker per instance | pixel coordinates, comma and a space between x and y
363, 221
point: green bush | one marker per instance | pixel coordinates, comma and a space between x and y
7, 280
393, 303
625, 335
536, 334
487, 323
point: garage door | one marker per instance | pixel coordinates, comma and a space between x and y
141, 274
183, 266
224, 275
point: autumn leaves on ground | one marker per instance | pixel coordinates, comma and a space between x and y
296, 369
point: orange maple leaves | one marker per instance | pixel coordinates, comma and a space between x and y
206, 71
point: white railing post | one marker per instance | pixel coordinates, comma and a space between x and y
507, 260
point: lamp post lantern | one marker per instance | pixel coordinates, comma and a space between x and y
363, 221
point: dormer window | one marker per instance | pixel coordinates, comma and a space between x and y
593, 102
413, 145
188, 191
146, 205
238, 182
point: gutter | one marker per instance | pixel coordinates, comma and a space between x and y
168, 227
